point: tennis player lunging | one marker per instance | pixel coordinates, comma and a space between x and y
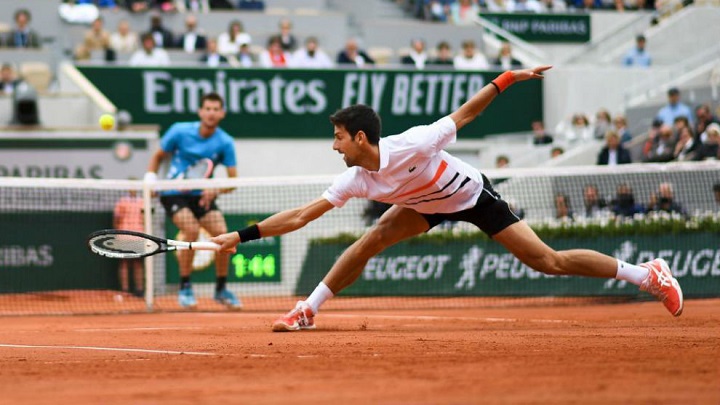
185, 143
426, 186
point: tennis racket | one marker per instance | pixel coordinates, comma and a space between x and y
202, 169
121, 244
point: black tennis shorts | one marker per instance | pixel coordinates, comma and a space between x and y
491, 213
174, 203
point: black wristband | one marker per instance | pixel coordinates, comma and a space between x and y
249, 233
496, 87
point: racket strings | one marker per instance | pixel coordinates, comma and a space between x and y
130, 245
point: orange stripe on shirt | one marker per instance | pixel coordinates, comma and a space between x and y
438, 173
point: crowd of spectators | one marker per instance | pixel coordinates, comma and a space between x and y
235, 47
169, 6
622, 204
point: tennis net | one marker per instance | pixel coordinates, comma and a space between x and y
642, 212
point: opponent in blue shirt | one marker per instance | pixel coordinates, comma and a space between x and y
185, 143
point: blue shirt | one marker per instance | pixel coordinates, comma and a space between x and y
637, 57
668, 113
187, 146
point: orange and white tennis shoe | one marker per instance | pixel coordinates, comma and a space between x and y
300, 318
661, 283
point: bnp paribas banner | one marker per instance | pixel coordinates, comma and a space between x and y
544, 27
484, 268
272, 103
47, 251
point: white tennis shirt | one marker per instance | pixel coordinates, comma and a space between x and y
415, 172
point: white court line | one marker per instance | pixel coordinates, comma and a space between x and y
138, 329
108, 349
444, 318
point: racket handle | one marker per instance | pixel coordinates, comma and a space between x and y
204, 246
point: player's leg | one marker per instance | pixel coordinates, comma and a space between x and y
186, 222
395, 225
139, 277
123, 276
214, 222
522, 242
654, 277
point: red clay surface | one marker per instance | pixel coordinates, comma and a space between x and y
632, 353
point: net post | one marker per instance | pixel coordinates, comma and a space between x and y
149, 261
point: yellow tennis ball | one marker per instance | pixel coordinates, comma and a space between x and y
107, 122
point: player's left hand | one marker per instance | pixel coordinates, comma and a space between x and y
207, 197
527, 74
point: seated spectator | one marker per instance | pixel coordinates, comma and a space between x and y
469, 59
274, 56
229, 42
258, 5
540, 136
638, 56
21, 36
149, 55
624, 203
124, 40
444, 55
679, 124
8, 80
464, 12
663, 146
562, 207
620, 124
311, 56
703, 118
162, 36
352, 55
664, 200
553, 6
716, 193
709, 148
524, 6
244, 59
287, 40
674, 108
602, 123
595, 206
613, 152
652, 138
137, 6
686, 147
584, 4
191, 40
211, 57
193, 6
505, 60
578, 130
437, 10
556, 152
496, 6
96, 40
221, 5
502, 161
166, 6
417, 56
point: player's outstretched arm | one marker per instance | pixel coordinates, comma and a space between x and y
279, 224
477, 103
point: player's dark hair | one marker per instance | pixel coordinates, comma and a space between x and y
212, 97
358, 118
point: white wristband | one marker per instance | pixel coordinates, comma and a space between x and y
150, 177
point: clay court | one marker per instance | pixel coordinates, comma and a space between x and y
592, 354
